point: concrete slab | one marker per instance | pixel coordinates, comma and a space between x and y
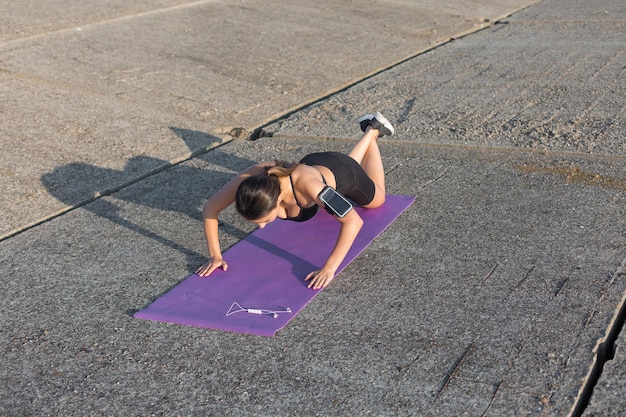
505, 86
566, 97
488, 297
44, 172
32, 18
498, 255
123, 87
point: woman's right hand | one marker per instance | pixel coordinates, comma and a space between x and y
206, 269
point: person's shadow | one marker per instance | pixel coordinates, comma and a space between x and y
79, 182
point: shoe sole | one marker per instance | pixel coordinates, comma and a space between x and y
383, 121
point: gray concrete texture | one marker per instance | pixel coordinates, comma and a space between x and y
608, 394
132, 86
489, 297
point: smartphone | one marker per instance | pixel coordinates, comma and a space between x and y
335, 202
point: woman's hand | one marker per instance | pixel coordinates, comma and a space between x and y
320, 279
206, 269
350, 226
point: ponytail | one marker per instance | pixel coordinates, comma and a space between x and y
282, 169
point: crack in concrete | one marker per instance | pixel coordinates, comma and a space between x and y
605, 349
444, 382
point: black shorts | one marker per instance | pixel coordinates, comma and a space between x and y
352, 181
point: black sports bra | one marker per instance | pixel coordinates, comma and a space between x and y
305, 212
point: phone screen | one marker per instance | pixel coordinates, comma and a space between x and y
335, 202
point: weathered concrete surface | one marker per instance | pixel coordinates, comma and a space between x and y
487, 298
548, 78
608, 394
126, 88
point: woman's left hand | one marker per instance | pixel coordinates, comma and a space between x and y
320, 279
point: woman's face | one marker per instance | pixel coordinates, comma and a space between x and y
267, 219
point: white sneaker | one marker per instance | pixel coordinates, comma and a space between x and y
376, 121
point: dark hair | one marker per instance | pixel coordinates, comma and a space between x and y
257, 195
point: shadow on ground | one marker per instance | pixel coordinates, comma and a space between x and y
79, 183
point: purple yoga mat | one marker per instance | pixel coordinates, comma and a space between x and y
266, 272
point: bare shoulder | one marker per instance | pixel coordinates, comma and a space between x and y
308, 181
305, 173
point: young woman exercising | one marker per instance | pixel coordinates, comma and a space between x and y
271, 190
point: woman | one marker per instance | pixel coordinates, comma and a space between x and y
271, 190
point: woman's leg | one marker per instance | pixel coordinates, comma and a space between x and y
367, 153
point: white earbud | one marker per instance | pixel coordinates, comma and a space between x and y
235, 307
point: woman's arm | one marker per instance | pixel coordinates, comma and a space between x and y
351, 224
210, 213
310, 185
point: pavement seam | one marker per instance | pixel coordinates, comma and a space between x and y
16, 42
112, 190
604, 349
201, 151
112, 360
259, 131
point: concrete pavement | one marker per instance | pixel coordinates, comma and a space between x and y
491, 296
132, 87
